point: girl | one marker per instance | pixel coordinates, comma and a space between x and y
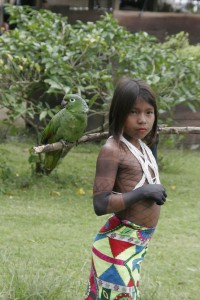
127, 185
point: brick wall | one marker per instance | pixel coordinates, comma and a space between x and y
160, 24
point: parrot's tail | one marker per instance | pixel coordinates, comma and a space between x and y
51, 161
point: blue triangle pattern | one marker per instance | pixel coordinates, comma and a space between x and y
139, 248
112, 275
99, 237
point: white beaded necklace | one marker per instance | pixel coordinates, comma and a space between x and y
146, 160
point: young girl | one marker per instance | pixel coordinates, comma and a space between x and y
127, 185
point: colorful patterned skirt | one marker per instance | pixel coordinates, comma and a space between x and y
118, 251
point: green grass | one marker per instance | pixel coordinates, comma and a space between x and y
47, 226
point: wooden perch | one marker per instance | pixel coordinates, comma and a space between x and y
60, 145
103, 135
179, 130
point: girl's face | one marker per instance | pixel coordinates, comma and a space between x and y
139, 121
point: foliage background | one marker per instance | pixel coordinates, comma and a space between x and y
45, 57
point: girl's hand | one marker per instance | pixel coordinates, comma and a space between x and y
155, 192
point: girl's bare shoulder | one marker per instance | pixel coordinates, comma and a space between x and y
110, 148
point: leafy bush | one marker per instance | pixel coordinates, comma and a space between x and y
45, 56
186, 75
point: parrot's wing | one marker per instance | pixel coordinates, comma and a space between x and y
45, 135
48, 135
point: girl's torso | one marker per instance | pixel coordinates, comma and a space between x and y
145, 212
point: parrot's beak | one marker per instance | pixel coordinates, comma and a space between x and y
63, 103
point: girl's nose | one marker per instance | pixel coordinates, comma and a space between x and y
142, 119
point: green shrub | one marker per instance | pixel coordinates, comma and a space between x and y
46, 56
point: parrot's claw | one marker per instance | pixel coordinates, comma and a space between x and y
66, 144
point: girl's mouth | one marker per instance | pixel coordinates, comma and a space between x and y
142, 129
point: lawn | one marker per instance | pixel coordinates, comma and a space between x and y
48, 225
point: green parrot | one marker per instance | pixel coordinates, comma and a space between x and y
67, 125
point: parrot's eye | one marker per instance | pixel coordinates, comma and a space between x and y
72, 100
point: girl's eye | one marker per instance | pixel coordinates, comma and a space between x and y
133, 111
150, 112
72, 100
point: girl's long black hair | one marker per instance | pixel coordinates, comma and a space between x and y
126, 93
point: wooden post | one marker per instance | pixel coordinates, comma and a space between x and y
109, 4
116, 4
91, 4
